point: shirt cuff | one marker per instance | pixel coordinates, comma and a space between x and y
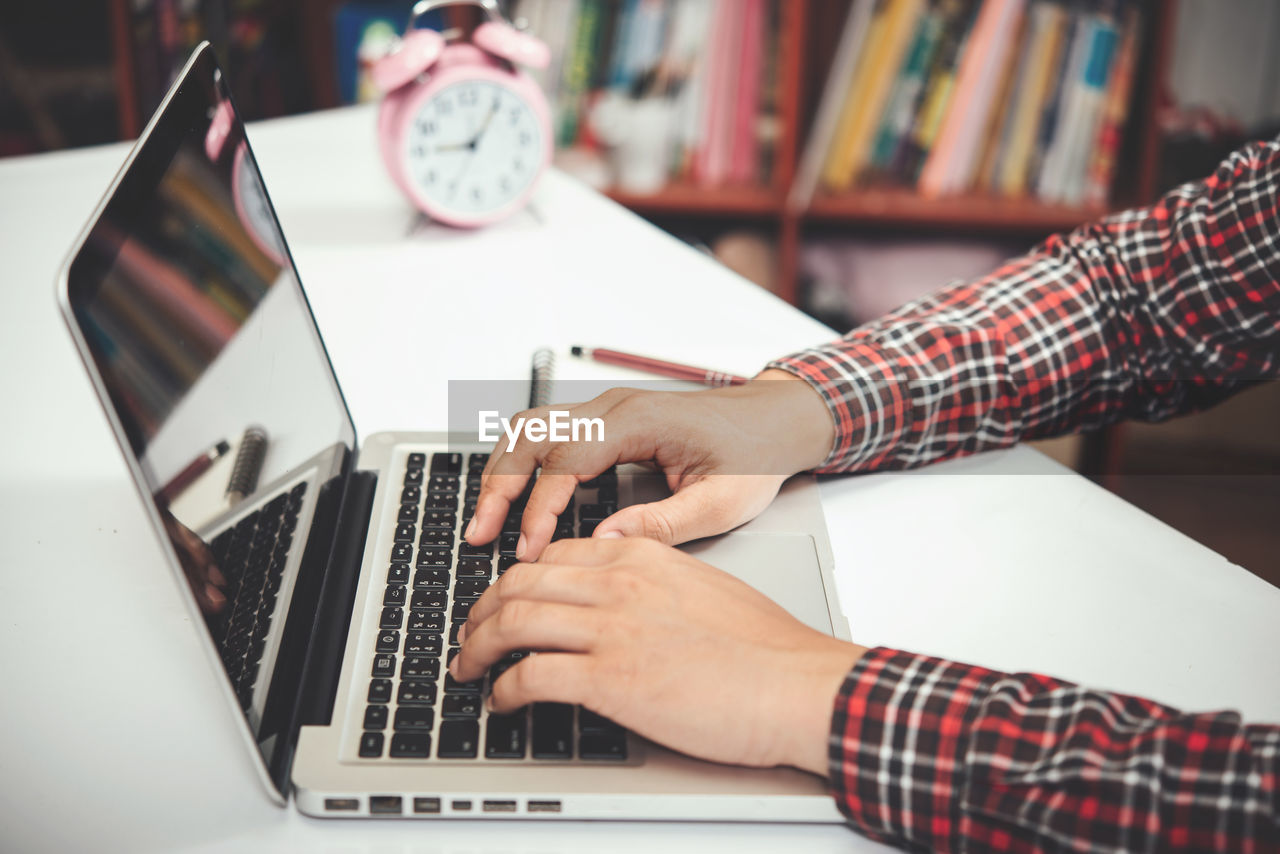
899, 734
869, 405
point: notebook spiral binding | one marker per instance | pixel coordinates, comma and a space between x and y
248, 465
541, 376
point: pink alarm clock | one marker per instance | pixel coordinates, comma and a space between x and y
463, 130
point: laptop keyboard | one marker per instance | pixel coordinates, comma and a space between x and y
252, 555
416, 709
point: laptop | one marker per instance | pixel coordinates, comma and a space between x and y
329, 579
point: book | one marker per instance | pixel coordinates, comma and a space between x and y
848, 108
843, 65
997, 116
884, 63
1044, 43
935, 97
899, 112
744, 141
951, 161
1107, 147
1052, 115
711, 160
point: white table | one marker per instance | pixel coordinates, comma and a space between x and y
114, 737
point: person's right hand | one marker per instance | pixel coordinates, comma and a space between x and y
724, 452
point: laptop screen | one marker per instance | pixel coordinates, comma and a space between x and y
187, 302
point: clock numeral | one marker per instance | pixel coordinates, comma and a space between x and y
505, 183
444, 107
477, 194
525, 138
519, 164
514, 115
469, 97
430, 177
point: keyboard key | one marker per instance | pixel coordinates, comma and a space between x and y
459, 739
446, 464
468, 550
596, 512
443, 483
398, 573
442, 501
461, 610
453, 686
587, 527
416, 693
402, 552
412, 476
434, 558
408, 513
426, 579
414, 717
470, 567
589, 721
375, 717
504, 563
461, 706
417, 460
423, 620
388, 641
411, 745
505, 736
371, 745
507, 542
552, 731
392, 618
396, 594
470, 588
422, 643
380, 691
477, 462
384, 665
435, 599
608, 494
411, 495
420, 667
436, 540
405, 532
439, 520
605, 744
453, 632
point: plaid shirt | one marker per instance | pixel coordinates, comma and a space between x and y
1146, 314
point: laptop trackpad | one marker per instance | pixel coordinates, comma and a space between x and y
783, 567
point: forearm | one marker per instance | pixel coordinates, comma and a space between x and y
931, 753
1145, 314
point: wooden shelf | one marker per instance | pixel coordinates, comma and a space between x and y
690, 199
903, 207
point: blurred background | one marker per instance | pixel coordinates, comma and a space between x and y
847, 155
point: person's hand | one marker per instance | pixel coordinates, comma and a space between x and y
665, 645
197, 563
725, 453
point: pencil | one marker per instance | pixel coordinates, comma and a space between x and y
660, 367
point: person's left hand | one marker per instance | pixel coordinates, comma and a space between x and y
664, 644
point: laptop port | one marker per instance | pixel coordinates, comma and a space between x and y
385, 804
499, 806
341, 804
461, 806
426, 805
544, 806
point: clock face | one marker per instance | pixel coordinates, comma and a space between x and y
473, 148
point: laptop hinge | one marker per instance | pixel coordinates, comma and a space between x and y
337, 600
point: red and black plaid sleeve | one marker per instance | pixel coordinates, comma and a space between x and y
931, 754
1144, 314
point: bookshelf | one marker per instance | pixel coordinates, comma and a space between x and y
808, 39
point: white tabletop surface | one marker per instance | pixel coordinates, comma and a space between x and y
114, 736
